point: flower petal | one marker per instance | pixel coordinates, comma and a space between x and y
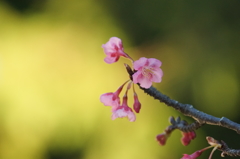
109, 99
139, 63
123, 111
155, 63
145, 82
136, 76
110, 60
142, 80
157, 75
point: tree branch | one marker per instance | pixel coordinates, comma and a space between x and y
200, 117
189, 110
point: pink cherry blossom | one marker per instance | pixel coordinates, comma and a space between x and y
123, 111
148, 71
192, 156
162, 138
114, 49
112, 99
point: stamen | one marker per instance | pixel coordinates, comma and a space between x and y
147, 72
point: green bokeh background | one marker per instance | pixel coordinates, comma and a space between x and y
52, 75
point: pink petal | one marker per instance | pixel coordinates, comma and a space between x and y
136, 76
131, 117
108, 99
113, 45
155, 63
142, 80
157, 76
123, 111
116, 41
192, 156
110, 60
140, 63
145, 83
186, 156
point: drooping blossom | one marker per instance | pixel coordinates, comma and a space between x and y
112, 99
123, 110
192, 156
162, 138
148, 71
187, 137
114, 49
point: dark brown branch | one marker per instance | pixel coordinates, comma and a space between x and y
228, 151
183, 125
189, 110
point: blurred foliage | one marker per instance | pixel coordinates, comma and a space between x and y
52, 75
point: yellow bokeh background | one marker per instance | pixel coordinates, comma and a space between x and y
52, 74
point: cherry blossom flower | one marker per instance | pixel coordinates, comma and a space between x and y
112, 99
148, 71
187, 137
114, 49
145, 72
124, 110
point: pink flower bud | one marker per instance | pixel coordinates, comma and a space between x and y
185, 140
187, 137
136, 104
192, 135
162, 138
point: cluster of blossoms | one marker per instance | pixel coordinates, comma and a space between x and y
146, 71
